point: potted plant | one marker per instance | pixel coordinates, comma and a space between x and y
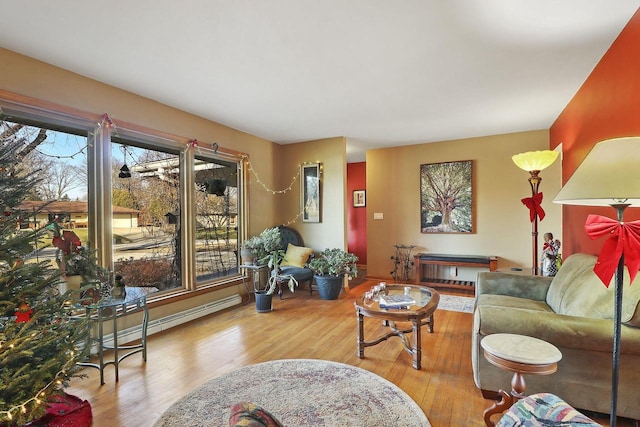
216, 186
258, 247
249, 250
273, 261
77, 263
329, 269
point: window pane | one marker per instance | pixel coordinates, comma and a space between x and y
216, 207
59, 201
146, 209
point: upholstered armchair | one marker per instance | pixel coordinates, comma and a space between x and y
296, 257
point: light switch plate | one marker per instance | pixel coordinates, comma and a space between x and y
378, 215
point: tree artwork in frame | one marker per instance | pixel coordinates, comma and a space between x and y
310, 194
446, 200
359, 199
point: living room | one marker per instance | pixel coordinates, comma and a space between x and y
604, 107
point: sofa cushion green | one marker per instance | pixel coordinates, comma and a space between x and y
508, 301
577, 291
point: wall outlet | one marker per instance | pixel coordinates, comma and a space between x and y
378, 215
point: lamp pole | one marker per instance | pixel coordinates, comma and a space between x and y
533, 162
617, 321
534, 182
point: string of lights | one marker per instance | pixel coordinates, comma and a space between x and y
274, 192
259, 181
40, 396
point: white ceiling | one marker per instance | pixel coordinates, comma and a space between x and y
379, 72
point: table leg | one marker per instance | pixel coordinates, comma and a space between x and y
498, 408
518, 387
116, 360
101, 346
417, 344
145, 324
360, 338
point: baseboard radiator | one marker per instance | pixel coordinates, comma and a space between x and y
162, 324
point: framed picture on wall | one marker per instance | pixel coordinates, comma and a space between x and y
359, 198
446, 197
310, 192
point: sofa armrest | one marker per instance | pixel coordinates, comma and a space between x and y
515, 285
582, 333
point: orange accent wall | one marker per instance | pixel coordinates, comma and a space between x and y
357, 217
606, 106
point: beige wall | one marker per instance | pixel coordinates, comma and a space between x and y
272, 163
332, 154
28, 77
501, 221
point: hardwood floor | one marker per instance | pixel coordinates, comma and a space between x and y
301, 326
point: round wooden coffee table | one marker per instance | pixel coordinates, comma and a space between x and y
419, 313
521, 355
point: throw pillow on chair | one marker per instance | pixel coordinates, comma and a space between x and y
296, 256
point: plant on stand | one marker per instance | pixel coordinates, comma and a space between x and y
273, 261
78, 264
259, 246
329, 269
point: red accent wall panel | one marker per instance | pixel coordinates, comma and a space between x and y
357, 217
606, 106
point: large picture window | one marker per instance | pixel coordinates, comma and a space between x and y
145, 216
216, 218
133, 195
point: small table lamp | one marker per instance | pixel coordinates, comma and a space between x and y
533, 162
609, 176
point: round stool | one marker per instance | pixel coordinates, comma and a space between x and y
521, 355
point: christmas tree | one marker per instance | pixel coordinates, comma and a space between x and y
39, 336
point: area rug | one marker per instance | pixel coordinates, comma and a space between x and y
456, 303
300, 392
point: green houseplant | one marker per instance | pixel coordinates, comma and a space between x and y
77, 263
266, 250
273, 261
329, 269
259, 246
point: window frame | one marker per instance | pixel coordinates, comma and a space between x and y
36, 112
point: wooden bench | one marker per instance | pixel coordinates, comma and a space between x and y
426, 265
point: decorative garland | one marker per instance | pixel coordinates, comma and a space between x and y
274, 192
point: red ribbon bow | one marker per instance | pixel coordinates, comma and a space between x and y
533, 203
624, 239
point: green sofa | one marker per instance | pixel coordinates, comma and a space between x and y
573, 311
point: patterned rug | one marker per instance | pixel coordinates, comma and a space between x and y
300, 392
456, 303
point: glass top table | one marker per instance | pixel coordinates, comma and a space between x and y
112, 308
412, 303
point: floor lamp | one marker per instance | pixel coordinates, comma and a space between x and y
533, 162
609, 176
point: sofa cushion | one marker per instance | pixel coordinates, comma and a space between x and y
512, 302
296, 256
577, 291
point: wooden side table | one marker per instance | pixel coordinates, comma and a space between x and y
521, 355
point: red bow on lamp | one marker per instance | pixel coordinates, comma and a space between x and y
534, 205
624, 238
